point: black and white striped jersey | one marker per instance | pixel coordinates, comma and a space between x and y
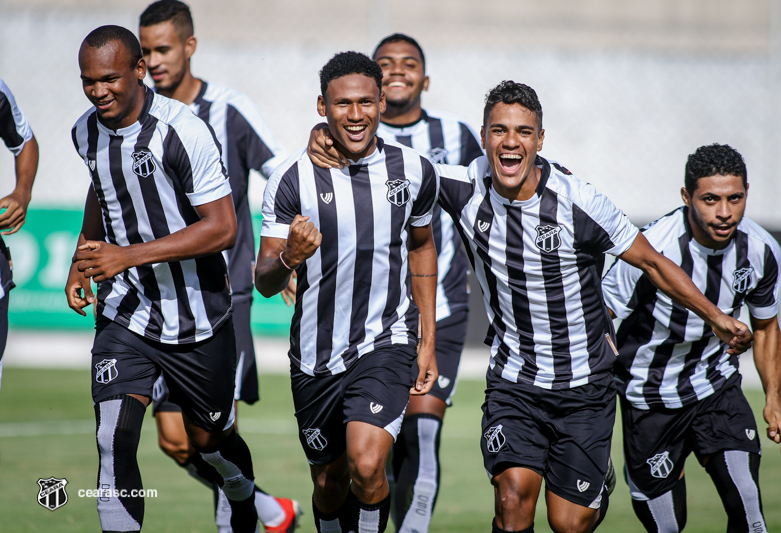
15, 132
354, 293
148, 177
539, 262
443, 139
247, 144
668, 356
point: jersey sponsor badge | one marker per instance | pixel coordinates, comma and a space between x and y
51, 493
314, 439
143, 163
583, 486
742, 279
437, 155
106, 371
661, 465
750, 433
548, 239
398, 191
495, 439
327, 197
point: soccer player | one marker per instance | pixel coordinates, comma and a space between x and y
158, 215
360, 240
168, 43
18, 137
679, 384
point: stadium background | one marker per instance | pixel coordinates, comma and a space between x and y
629, 89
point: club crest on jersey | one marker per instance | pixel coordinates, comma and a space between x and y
106, 371
398, 191
661, 466
375, 407
314, 439
143, 164
583, 486
437, 155
750, 433
548, 238
443, 382
742, 279
495, 439
327, 197
52, 493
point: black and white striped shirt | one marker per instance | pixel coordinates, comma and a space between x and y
668, 356
443, 139
353, 294
15, 132
148, 177
538, 262
247, 144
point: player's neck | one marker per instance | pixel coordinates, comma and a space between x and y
402, 116
187, 91
525, 190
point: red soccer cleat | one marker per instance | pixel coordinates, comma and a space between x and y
293, 512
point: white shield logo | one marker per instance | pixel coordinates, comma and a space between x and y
443, 382
398, 191
437, 155
495, 439
92, 165
143, 163
106, 371
548, 238
661, 466
583, 485
327, 197
315, 440
750, 433
742, 279
483, 226
375, 407
215, 416
52, 493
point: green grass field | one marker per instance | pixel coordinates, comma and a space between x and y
47, 429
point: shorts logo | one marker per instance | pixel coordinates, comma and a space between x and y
742, 279
52, 493
437, 155
143, 163
583, 485
661, 466
548, 238
443, 382
495, 439
483, 226
398, 191
327, 197
214, 416
375, 407
92, 164
106, 371
750, 433
315, 440
158, 389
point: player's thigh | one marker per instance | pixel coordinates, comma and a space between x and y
368, 447
656, 445
451, 335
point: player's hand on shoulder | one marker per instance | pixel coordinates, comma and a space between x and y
101, 260
78, 290
734, 333
321, 149
302, 242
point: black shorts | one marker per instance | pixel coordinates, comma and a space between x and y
451, 334
246, 388
563, 435
375, 390
658, 440
200, 375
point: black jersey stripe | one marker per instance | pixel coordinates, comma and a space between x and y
329, 261
364, 254
394, 163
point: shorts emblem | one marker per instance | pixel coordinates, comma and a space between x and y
548, 239
375, 407
314, 439
214, 416
495, 439
742, 279
443, 382
750, 433
398, 191
661, 466
583, 485
106, 371
143, 164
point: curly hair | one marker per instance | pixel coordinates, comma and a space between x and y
510, 92
100, 37
713, 160
175, 11
346, 63
398, 38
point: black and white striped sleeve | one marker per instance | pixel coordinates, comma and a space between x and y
600, 226
763, 301
455, 188
14, 128
281, 201
423, 206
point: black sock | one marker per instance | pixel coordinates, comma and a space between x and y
327, 522
356, 513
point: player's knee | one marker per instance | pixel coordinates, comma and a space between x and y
367, 470
573, 522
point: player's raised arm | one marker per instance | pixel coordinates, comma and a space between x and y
674, 282
278, 258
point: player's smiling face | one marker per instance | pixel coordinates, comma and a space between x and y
166, 55
511, 138
403, 77
715, 209
352, 107
113, 85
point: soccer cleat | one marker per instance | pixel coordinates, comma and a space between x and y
293, 513
610, 477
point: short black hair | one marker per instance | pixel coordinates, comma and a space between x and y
175, 11
713, 160
346, 63
510, 92
100, 37
400, 37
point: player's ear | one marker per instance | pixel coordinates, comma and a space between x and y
539, 141
320, 105
141, 70
425, 83
382, 102
482, 137
189, 46
685, 197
